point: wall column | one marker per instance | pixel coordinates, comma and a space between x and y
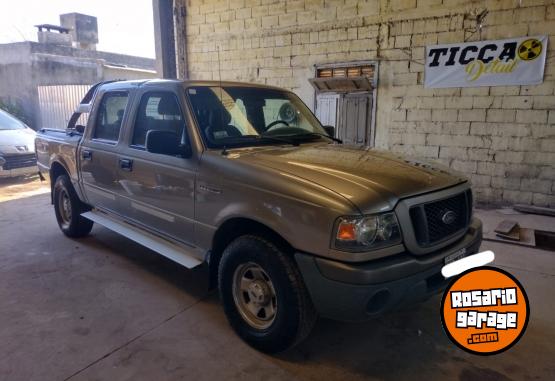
164, 38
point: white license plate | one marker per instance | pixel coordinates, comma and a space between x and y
455, 256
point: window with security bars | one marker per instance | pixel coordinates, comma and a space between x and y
344, 78
346, 72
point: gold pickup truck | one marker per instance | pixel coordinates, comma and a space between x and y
243, 178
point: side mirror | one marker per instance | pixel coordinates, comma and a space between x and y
166, 143
80, 128
330, 130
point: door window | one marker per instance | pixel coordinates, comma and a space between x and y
110, 116
158, 111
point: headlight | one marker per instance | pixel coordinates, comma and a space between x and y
367, 232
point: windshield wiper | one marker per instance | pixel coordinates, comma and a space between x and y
263, 137
323, 135
273, 138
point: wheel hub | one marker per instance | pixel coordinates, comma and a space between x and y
254, 295
259, 292
64, 208
67, 206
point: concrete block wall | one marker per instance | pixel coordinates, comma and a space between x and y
502, 138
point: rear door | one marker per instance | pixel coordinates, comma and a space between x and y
157, 190
98, 152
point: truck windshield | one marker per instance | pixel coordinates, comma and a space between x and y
238, 116
8, 122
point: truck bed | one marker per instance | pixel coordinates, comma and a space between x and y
57, 145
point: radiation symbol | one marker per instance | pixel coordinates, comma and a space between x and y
530, 49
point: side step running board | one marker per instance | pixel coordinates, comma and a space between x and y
153, 242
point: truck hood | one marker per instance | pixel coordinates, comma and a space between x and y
371, 179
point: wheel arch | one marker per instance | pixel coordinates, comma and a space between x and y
234, 228
56, 170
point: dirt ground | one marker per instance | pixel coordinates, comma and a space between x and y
105, 308
21, 187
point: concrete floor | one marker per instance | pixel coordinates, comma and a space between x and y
104, 308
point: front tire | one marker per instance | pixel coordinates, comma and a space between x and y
264, 296
68, 209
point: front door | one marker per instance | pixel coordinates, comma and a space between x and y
157, 190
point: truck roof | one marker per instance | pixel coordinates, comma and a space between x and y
115, 85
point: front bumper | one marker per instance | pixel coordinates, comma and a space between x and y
358, 292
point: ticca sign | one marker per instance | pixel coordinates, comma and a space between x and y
516, 61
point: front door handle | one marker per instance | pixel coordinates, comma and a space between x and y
126, 164
86, 155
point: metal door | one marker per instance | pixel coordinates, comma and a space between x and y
350, 114
57, 104
326, 109
354, 119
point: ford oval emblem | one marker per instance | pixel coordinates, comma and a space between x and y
449, 217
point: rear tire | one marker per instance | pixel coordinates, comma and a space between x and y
68, 209
264, 296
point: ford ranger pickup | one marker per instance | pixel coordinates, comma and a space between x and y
243, 179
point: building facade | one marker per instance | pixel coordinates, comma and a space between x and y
64, 57
502, 138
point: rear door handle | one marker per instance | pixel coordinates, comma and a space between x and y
86, 155
126, 164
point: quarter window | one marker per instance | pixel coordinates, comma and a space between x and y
110, 116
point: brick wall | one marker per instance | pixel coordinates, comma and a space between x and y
503, 138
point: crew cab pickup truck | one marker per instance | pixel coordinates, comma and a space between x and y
245, 180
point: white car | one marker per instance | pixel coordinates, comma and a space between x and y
17, 147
